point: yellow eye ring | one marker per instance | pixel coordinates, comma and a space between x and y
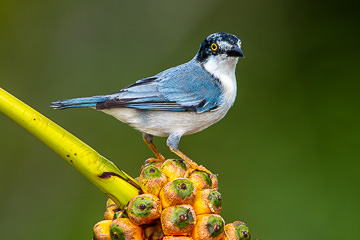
214, 46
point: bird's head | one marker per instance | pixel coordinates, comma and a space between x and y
219, 54
219, 47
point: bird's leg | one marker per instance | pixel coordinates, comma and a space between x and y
173, 142
148, 139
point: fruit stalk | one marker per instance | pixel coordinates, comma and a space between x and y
115, 183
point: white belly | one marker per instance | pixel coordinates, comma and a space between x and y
163, 123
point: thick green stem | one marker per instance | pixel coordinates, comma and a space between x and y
119, 186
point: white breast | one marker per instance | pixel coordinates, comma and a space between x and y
223, 68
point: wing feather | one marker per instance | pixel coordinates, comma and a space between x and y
187, 87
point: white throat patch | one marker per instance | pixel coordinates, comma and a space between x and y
223, 68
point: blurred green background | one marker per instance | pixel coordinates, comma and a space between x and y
287, 153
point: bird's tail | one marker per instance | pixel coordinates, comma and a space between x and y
78, 102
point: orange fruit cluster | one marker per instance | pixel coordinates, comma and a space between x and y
172, 206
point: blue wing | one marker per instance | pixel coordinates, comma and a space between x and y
187, 87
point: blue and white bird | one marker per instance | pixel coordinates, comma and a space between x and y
178, 101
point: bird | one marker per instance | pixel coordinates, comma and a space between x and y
179, 101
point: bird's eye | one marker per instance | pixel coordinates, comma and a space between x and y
214, 46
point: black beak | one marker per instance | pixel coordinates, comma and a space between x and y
235, 52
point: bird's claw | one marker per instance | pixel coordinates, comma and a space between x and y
196, 168
154, 160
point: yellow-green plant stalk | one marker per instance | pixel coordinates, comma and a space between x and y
115, 183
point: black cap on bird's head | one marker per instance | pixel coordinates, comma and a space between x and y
220, 43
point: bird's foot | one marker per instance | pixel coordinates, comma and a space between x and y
154, 160
195, 167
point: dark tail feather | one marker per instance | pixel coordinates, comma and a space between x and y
78, 102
